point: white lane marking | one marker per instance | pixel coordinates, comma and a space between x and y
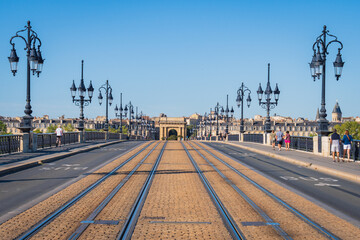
112, 149
63, 167
326, 185
319, 181
243, 154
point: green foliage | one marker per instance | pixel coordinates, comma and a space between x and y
69, 128
51, 129
124, 130
3, 129
172, 137
353, 127
191, 131
163, 138
90, 130
113, 130
37, 131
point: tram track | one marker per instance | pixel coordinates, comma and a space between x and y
228, 220
320, 229
51, 217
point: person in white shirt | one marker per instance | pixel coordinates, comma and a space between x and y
59, 133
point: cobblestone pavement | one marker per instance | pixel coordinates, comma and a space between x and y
177, 205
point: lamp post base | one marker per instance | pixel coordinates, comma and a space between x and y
323, 128
26, 124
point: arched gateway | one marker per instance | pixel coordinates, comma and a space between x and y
172, 124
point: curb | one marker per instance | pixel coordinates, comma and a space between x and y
348, 176
46, 159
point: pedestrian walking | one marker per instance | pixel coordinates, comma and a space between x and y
287, 140
279, 138
347, 141
59, 133
273, 139
335, 145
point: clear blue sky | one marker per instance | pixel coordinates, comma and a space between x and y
182, 56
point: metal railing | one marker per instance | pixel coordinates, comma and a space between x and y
10, 143
49, 139
46, 140
257, 138
114, 135
301, 143
91, 136
233, 137
354, 152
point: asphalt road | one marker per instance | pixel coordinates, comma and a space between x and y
21, 190
339, 196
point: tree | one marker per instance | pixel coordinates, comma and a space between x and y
124, 130
113, 130
69, 128
353, 127
51, 128
37, 131
3, 128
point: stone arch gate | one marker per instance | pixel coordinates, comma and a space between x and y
169, 123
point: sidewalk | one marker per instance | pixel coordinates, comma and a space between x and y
10, 163
349, 171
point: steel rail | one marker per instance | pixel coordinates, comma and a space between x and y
104, 203
268, 220
229, 222
296, 212
37, 227
129, 225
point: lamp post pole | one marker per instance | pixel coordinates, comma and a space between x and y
240, 102
109, 98
318, 68
81, 101
120, 114
129, 107
218, 109
268, 104
34, 64
227, 111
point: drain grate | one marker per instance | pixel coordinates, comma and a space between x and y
258, 224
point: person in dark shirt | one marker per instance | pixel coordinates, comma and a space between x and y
347, 140
335, 145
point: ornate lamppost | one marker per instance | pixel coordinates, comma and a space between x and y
109, 98
318, 68
219, 110
227, 111
129, 107
119, 112
240, 102
34, 64
268, 104
81, 101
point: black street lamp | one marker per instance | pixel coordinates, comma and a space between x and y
268, 104
109, 98
240, 102
34, 64
129, 107
81, 101
218, 111
119, 112
227, 111
318, 68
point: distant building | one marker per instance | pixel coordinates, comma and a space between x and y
336, 113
